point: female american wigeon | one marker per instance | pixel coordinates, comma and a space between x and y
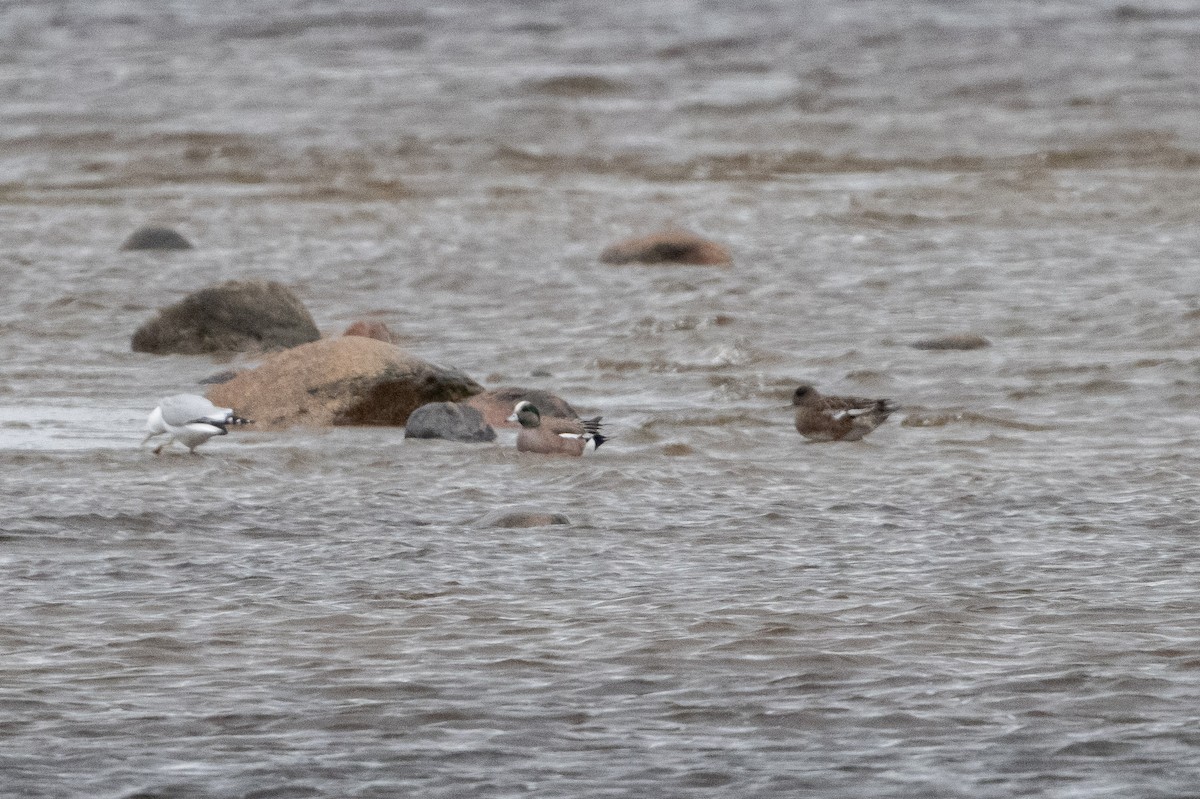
820, 418
553, 435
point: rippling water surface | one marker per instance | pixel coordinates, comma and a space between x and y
994, 595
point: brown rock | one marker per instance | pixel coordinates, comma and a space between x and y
351, 380
954, 341
497, 405
237, 316
376, 330
668, 247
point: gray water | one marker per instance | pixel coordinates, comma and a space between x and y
993, 595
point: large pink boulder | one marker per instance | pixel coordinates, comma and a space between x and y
351, 380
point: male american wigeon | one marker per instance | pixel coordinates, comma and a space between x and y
553, 435
820, 418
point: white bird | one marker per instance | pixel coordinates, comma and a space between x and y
189, 419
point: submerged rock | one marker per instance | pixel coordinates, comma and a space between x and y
156, 238
923, 417
236, 316
452, 421
497, 404
351, 380
953, 341
577, 85
522, 518
668, 247
220, 377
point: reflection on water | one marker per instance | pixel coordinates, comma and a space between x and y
991, 596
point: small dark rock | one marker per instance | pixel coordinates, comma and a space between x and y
237, 316
578, 85
954, 341
156, 238
668, 247
452, 421
522, 518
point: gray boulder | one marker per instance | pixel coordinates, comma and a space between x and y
237, 316
449, 420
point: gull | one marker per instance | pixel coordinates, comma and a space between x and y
821, 418
189, 419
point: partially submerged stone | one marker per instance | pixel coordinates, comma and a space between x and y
953, 341
668, 247
351, 380
452, 421
522, 518
236, 316
580, 85
156, 238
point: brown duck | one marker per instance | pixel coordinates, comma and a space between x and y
820, 418
553, 435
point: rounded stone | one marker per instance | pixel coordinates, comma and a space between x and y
668, 247
375, 330
156, 238
452, 421
236, 316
